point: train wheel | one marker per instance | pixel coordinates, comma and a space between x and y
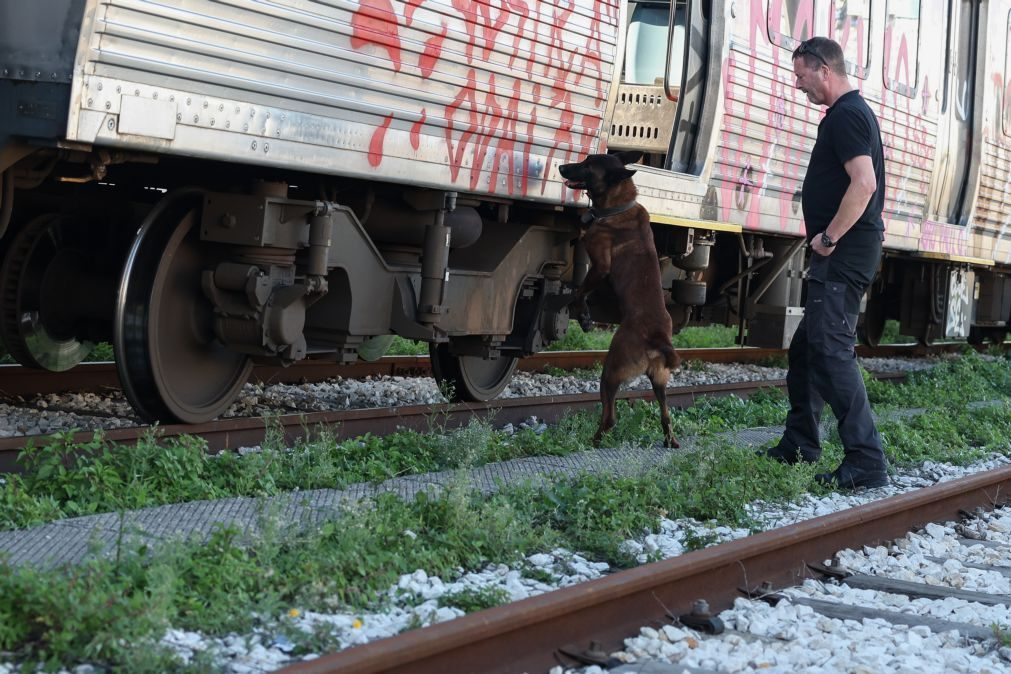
929, 334
470, 378
170, 363
31, 331
871, 326
979, 335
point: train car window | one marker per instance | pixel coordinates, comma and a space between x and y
1007, 80
902, 46
790, 22
644, 46
851, 28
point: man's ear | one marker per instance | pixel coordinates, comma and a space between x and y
629, 156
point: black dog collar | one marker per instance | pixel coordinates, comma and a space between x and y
598, 213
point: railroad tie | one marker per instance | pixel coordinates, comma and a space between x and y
839, 611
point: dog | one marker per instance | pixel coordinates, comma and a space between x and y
620, 246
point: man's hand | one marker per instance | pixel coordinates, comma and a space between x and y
818, 247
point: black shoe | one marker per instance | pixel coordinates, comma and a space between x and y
848, 476
789, 457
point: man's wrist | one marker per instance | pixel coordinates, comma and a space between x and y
827, 240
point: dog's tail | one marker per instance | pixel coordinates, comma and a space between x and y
671, 358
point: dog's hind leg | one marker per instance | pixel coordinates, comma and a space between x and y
659, 374
608, 393
610, 381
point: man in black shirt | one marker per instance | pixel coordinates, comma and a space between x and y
843, 195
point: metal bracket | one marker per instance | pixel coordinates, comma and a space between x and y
701, 619
834, 570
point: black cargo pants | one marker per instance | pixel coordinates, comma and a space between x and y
823, 366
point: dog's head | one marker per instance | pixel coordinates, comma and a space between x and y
599, 173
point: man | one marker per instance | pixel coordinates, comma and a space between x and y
842, 198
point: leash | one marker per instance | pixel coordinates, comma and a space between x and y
598, 213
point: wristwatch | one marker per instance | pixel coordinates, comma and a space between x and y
826, 240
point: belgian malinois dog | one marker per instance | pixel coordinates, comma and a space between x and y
620, 245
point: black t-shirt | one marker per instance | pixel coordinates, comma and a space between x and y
849, 129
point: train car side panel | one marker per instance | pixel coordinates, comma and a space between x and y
461, 95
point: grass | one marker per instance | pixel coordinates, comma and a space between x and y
64, 479
713, 336
108, 609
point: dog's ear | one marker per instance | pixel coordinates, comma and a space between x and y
617, 175
629, 156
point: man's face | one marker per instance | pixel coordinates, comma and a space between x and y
812, 81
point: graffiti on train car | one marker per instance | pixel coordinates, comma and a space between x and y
995, 183
940, 237
764, 144
490, 122
781, 141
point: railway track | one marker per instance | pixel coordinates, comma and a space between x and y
583, 624
229, 433
232, 432
17, 381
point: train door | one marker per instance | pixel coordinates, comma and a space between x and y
664, 104
660, 101
988, 200
961, 62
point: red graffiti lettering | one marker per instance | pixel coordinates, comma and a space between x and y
494, 126
411, 5
375, 23
416, 130
376, 144
433, 51
522, 10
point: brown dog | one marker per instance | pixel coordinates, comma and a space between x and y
620, 245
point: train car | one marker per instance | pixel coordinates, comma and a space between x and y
210, 183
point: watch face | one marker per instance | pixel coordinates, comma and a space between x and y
826, 240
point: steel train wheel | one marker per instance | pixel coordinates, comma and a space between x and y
470, 378
170, 363
871, 326
928, 334
33, 338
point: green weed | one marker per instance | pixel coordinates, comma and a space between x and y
475, 599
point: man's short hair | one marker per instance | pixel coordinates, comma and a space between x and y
818, 51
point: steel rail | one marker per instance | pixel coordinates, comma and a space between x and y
230, 433
529, 635
17, 381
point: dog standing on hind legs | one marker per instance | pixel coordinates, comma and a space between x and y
620, 246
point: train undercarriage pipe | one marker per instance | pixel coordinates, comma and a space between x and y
320, 236
435, 265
